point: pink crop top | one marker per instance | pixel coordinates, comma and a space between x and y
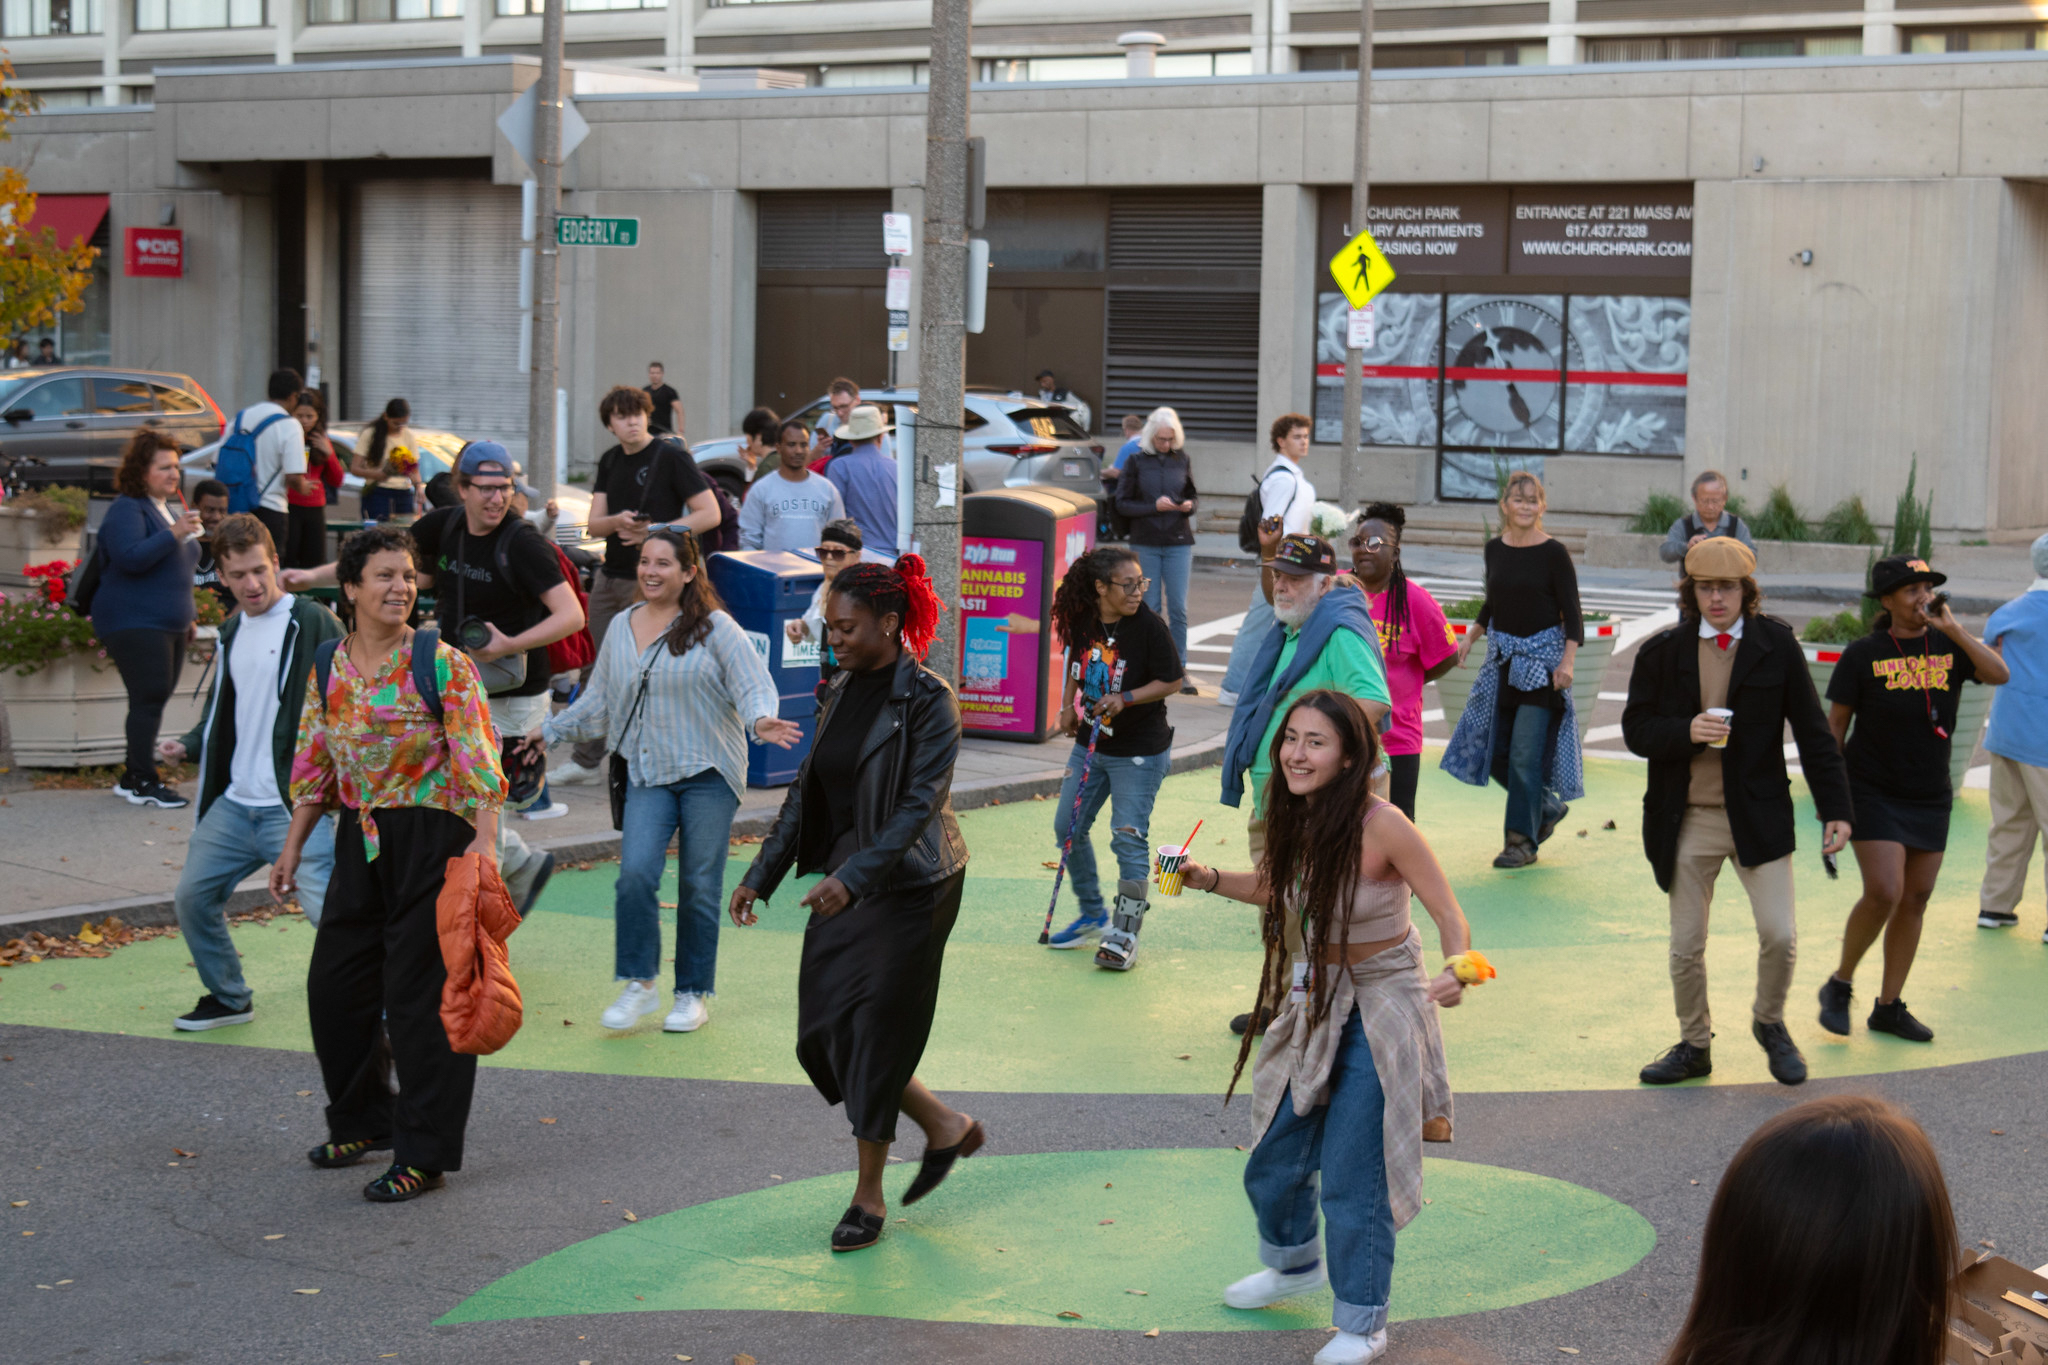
1379, 908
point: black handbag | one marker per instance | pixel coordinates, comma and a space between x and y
615, 779
85, 582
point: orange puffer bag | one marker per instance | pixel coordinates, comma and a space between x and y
480, 1005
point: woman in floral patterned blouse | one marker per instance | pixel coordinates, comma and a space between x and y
415, 786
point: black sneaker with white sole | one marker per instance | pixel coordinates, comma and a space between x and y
1996, 919
150, 792
210, 1013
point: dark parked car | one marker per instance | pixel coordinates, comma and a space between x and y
67, 424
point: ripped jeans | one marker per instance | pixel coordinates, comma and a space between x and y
1130, 785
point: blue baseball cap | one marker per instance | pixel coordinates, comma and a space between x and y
485, 457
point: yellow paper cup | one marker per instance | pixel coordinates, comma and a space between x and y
1171, 857
1725, 716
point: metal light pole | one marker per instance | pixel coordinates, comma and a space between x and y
547, 151
1351, 475
942, 353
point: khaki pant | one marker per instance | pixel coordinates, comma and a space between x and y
1704, 842
2019, 816
608, 597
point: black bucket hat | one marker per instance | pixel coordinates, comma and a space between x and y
1890, 574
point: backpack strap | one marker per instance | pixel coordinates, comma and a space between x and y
323, 666
425, 680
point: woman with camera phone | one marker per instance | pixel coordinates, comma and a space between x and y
1900, 685
680, 691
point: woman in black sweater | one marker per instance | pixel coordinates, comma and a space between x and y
1156, 491
1531, 592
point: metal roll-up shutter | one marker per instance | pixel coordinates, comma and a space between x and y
434, 307
810, 231
1183, 308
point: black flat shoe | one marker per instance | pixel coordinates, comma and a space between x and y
857, 1228
938, 1162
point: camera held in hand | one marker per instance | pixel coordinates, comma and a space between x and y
474, 633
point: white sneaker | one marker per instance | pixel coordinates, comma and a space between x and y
550, 812
1348, 1348
1271, 1286
570, 774
634, 1003
689, 1015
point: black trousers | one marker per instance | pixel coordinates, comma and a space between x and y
149, 662
1404, 771
377, 968
305, 538
279, 526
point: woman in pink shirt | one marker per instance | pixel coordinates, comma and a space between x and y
1414, 637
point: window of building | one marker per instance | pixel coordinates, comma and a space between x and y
1166, 65
70, 99
875, 73
1978, 40
154, 16
380, 11
1724, 48
48, 18
1405, 56
510, 7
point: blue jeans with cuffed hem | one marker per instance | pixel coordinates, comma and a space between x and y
699, 809
230, 842
1168, 567
1338, 1152
1529, 801
1130, 785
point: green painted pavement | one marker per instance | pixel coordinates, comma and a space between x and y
1022, 1239
1582, 1002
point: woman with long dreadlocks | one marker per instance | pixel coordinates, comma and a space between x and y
1415, 639
1121, 668
1353, 1064
871, 808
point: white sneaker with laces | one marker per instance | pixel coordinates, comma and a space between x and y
570, 774
634, 1003
552, 811
689, 1015
1348, 1348
1269, 1287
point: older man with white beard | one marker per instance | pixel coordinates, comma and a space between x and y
1319, 638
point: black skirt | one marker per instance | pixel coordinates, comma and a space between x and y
1918, 823
865, 996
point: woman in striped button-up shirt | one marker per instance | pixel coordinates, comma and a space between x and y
671, 690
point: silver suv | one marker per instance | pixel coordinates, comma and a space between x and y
1011, 442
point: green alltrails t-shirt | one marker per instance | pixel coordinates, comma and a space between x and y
1348, 664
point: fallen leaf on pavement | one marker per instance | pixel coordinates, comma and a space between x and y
1998, 1132
273, 1236
567, 1023
1608, 825
743, 1359
183, 1153
303, 1093
1185, 1056
631, 1217
1105, 1222
1153, 1333
682, 1357
305, 1291
1141, 1293
19, 1204
547, 1120
28, 1234
1071, 1315
1569, 1350
1050, 862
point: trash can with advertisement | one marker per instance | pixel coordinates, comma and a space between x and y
1016, 544
765, 590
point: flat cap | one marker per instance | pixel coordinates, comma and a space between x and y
1720, 557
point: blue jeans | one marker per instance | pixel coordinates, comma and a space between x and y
1258, 624
1130, 785
229, 843
1529, 801
701, 808
1343, 1141
382, 503
1167, 566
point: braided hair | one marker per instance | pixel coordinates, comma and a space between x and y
1395, 516
905, 589
1077, 607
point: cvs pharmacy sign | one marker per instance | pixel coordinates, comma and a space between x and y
156, 252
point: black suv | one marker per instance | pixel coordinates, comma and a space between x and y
68, 424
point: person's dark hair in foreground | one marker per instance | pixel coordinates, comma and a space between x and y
1830, 1242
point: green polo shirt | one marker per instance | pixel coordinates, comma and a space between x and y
1347, 664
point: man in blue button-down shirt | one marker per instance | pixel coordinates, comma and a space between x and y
866, 478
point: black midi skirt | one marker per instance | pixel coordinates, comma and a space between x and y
865, 996
1918, 824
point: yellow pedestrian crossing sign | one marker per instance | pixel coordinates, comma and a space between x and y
1360, 270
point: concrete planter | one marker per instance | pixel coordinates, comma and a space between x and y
1973, 708
1625, 550
70, 714
1454, 688
26, 538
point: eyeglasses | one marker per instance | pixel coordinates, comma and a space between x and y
493, 490
1133, 586
835, 552
1373, 543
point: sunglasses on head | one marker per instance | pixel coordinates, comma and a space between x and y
835, 552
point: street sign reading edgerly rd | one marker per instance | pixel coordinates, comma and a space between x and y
597, 231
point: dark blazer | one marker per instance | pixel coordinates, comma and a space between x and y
211, 743
903, 808
1145, 478
1770, 686
146, 581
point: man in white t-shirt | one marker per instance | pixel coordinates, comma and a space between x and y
787, 509
280, 451
1287, 503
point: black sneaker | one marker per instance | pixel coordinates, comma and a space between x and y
540, 881
1835, 995
1550, 824
1787, 1066
402, 1182
1682, 1063
1898, 1021
1518, 852
1996, 919
334, 1155
150, 791
1244, 1021
210, 1013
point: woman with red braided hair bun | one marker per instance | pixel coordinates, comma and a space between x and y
872, 810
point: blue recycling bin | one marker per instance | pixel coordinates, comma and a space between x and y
765, 590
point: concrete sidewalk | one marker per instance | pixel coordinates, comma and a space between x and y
71, 856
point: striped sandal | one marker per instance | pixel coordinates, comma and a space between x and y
401, 1183
334, 1155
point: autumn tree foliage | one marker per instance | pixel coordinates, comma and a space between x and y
38, 278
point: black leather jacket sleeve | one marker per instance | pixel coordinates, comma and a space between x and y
932, 733
778, 849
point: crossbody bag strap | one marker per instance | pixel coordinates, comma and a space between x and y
641, 696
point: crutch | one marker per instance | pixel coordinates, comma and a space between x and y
1116, 684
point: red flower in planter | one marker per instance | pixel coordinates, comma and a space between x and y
53, 576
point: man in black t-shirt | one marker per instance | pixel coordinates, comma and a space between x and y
496, 576
667, 417
210, 501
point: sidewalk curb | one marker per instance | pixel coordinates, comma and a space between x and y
254, 893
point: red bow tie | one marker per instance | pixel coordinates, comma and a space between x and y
1724, 639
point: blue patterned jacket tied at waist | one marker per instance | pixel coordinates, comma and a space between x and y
1528, 660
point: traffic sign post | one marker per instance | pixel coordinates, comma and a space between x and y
586, 231
1361, 270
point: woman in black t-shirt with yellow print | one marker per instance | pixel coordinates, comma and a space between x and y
1103, 621
1900, 684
